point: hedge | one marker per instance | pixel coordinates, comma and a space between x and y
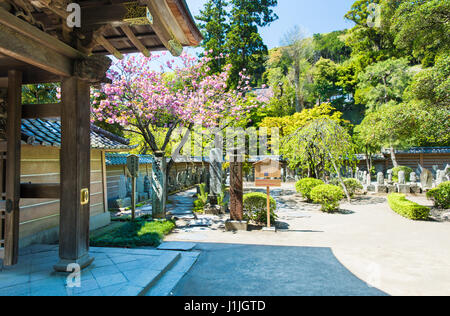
440, 195
406, 208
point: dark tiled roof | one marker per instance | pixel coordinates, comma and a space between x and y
121, 159
361, 157
425, 150
48, 133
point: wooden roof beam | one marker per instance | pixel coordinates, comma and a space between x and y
161, 27
31, 31
30, 51
108, 46
136, 42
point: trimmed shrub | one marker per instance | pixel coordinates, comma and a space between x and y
440, 195
328, 196
352, 185
304, 186
396, 170
406, 208
255, 208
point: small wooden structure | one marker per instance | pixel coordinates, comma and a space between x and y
268, 174
38, 46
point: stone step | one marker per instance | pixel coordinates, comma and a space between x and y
177, 246
165, 285
148, 280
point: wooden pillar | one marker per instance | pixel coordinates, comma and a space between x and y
13, 133
105, 182
75, 174
268, 207
236, 190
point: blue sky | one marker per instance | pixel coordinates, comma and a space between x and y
313, 16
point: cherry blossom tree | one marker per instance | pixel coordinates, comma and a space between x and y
183, 94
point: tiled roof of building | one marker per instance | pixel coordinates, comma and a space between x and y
121, 159
412, 151
48, 133
425, 150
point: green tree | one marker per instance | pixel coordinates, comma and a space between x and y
432, 85
371, 43
214, 26
300, 51
389, 126
332, 46
383, 82
276, 76
325, 74
40, 93
323, 141
422, 28
244, 44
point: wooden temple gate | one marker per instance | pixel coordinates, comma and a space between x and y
38, 46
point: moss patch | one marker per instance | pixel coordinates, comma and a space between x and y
135, 234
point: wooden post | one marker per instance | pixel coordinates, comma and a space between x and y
268, 207
133, 198
105, 182
75, 174
13, 132
236, 189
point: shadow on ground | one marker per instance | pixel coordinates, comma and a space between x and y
366, 200
252, 270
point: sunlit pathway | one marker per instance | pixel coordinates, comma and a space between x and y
366, 241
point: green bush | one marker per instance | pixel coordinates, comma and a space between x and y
406, 208
441, 195
199, 206
328, 196
352, 185
304, 186
139, 233
396, 170
255, 208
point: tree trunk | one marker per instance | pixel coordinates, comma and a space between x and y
298, 107
340, 178
393, 157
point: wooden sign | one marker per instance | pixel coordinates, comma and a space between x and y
133, 165
268, 173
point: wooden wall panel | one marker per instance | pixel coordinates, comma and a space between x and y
413, 160
41, 165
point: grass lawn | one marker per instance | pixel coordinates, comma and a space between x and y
140, 233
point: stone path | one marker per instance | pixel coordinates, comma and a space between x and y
365, 240
115, 272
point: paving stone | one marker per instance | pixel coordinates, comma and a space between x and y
115, 272
104, 271
200, 223
180, 246
113, 289
129, 290
111, 279
16, 290
142, 277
